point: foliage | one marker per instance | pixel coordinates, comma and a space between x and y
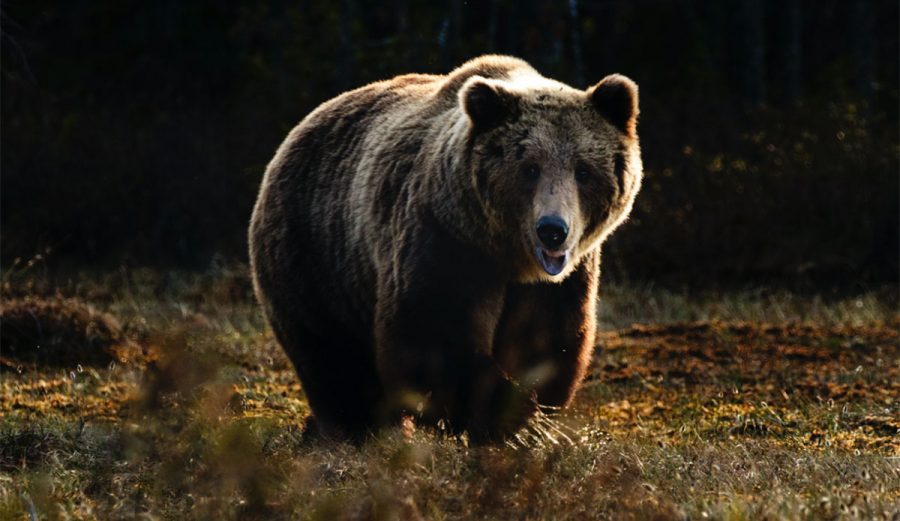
138, 132
57, 331
720, 419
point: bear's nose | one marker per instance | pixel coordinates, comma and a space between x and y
552, 230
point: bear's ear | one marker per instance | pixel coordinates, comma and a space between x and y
487, 103
616, 99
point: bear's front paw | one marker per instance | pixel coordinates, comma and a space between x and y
502, 413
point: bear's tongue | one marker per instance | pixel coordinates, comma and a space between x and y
553, 262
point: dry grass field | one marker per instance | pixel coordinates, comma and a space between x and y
145, 395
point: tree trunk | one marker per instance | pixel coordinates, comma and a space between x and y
512, 28
450, 37
862, 47
408, 55
346, 58
574, 31
492, 25
793, 57
755, 38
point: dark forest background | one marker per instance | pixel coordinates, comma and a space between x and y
136, 133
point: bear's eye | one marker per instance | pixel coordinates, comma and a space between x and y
582, 174
531, 172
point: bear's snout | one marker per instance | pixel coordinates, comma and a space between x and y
552, 230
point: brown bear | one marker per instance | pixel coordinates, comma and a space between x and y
430, 245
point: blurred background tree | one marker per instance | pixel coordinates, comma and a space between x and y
138, 132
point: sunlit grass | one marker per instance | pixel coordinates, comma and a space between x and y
622, 305
725, 406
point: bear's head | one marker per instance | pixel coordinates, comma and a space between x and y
555, 169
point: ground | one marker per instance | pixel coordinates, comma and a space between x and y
735, 405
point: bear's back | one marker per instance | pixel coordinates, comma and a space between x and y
418, 91
491, 66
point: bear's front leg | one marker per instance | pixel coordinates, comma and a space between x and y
438, 304
546, 333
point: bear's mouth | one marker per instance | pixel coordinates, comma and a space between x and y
553, 262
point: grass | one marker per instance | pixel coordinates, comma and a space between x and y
738, 405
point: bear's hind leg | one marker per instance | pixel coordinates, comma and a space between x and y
343, 389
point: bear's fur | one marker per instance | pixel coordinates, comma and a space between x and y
394, 251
